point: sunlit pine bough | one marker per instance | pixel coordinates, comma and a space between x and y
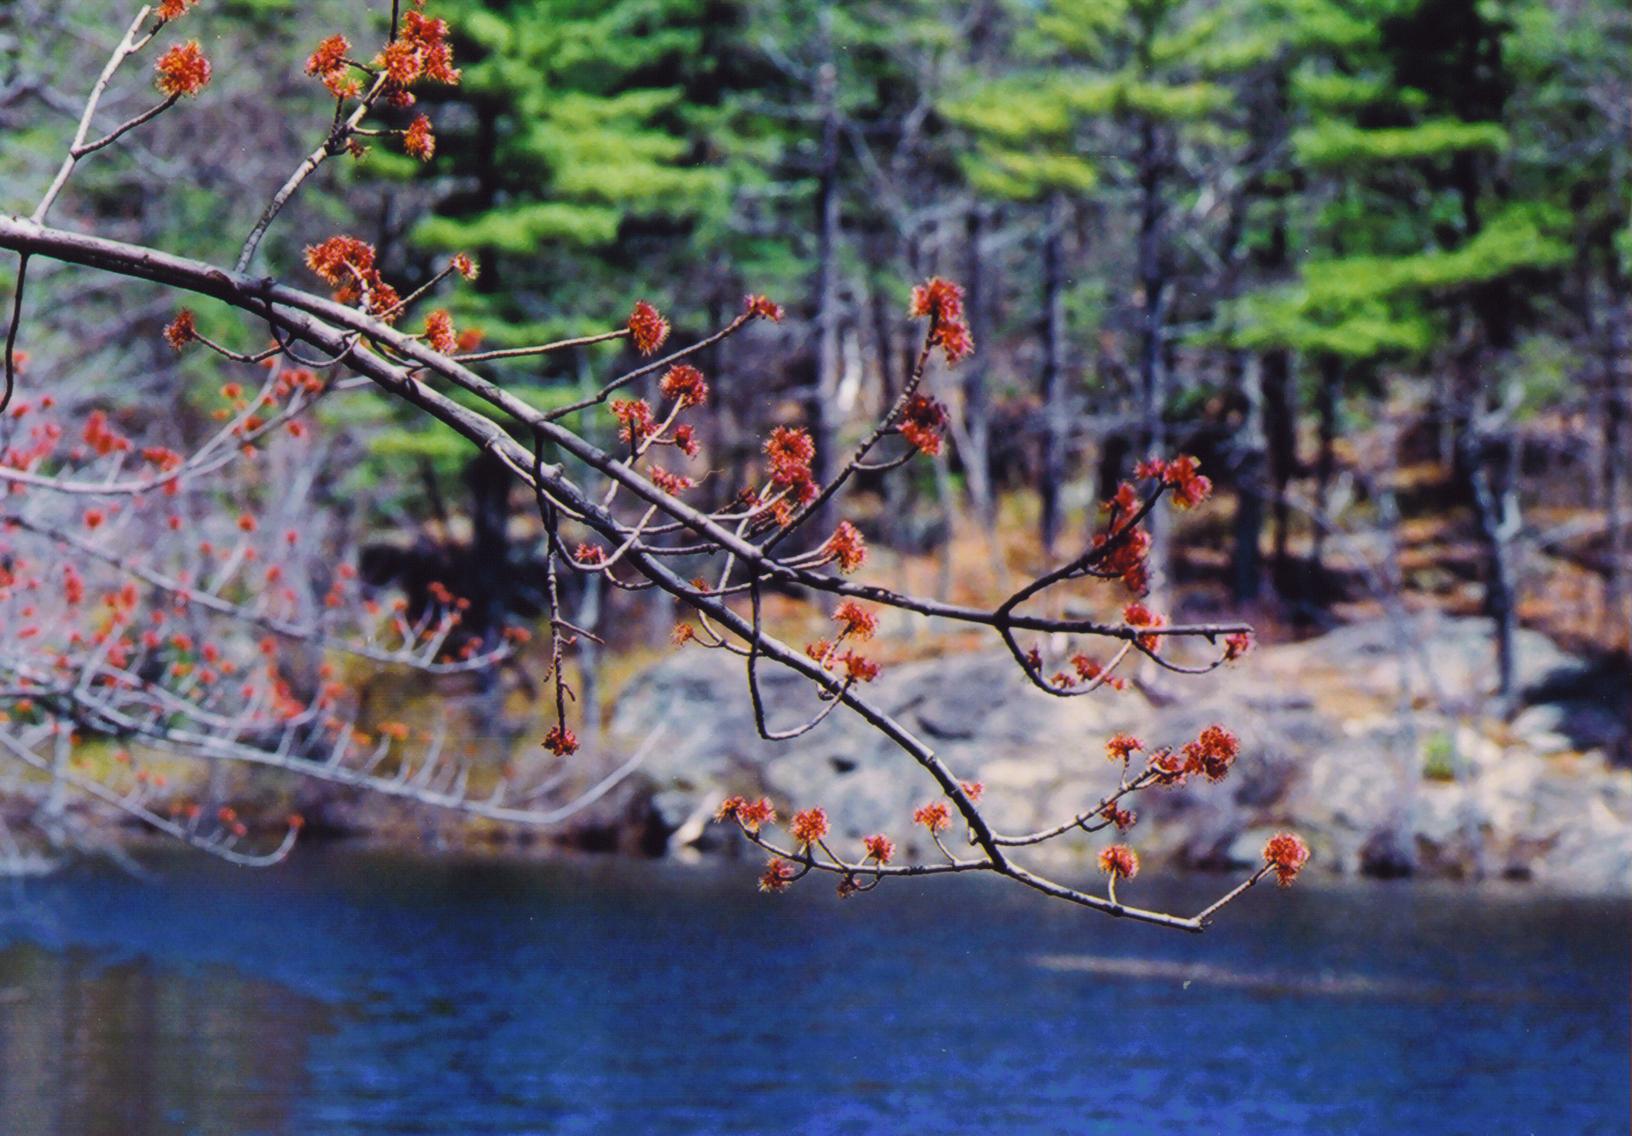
106, 635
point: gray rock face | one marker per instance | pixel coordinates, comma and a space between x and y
1364, 740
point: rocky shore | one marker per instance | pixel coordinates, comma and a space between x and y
1374, 741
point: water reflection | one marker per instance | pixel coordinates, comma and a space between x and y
88, 1047
349, 993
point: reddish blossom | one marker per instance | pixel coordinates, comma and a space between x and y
1138, 615
182, 70
777, 877
938, 298
168, 10
1286, 853
181, 331
647, 328
684, 384
753, 814
328, 64
728, 808
464, 265
1119, 862
856, 621
685, 440
808, 826
673, 484
1122, 746
879, 847
1122, 818
421, 50
588, 553
859, 669
762, 307
561, 741
635, 421
790, 450
954, 340
1236, 645
922, 421
846, 546
934, 816
974, 790
418, 141
1212, 753
439, 332
1190, 488
682, 634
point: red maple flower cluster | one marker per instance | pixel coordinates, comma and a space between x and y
879, 847
922, 421
1236, 645
685, 439
1122, 818
420, 51
1122, 551
182, 330
1190, 487
790, 451
684, 384
561, 741
934, 816
1088, 670
1122, 746
808, 826
855, 621
347, 264
858, 668
777, 877
328, 63
647, 328
418, 141
172, 9
750, 814
762, 307
673, 484
182, 70
942, 301
1287, 854
1212, 753
439, 332
635, 421
847, 546
587, 553
1119, 862
1138, 615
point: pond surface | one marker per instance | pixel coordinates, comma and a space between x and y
349, 992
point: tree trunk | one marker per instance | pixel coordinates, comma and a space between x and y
977, 459
1051, 471
824, 409
1247, 566
1281, 440
1331, 378
1153, 285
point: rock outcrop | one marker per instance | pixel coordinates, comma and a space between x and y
1368, 740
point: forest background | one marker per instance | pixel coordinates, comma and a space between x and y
1368, 260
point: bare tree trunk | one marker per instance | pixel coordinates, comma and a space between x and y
1153, 285
1051, 472
1326, 401
1247, 567
825, 411
976, 415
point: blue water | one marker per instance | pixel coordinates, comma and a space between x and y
349, 993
